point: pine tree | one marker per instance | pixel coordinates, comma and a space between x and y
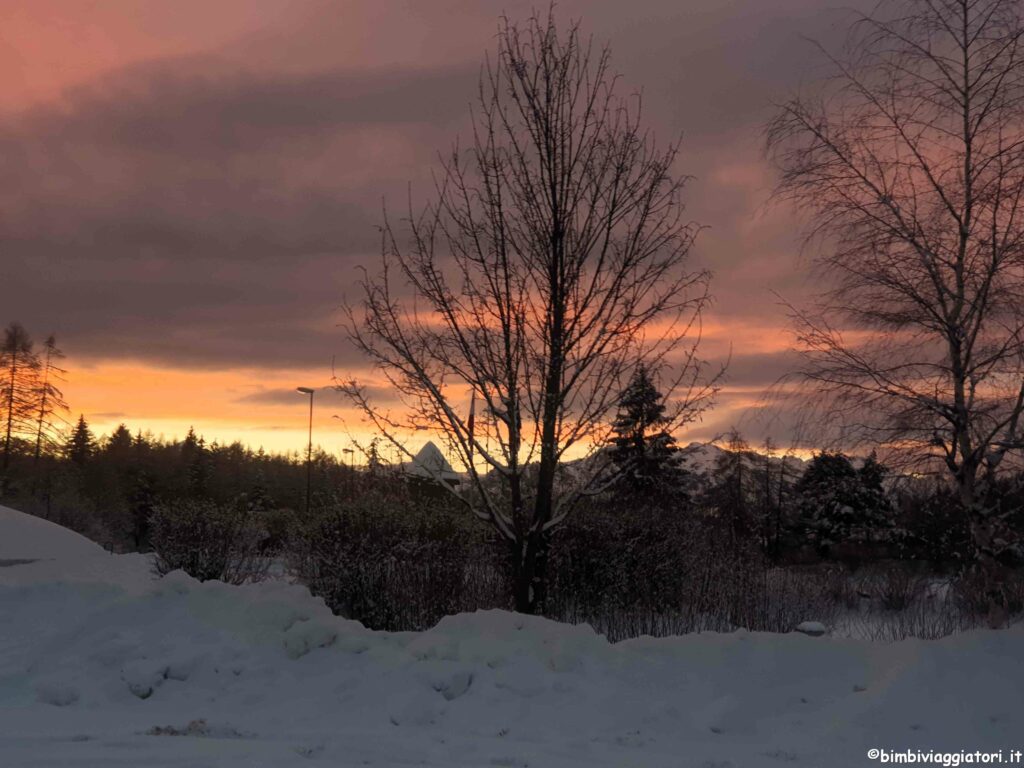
49, 399
19, 369
642, 449
82, 445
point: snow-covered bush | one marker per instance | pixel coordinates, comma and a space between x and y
209, 540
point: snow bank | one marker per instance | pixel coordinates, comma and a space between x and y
172, 672
25, 537
33, 551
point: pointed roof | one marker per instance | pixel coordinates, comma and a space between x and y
430, 463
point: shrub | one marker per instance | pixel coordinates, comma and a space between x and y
395, 561
208, 541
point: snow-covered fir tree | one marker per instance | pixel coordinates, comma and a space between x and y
838, 503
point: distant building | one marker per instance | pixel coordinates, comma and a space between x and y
430, 464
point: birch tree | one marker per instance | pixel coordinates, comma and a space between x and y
910, 164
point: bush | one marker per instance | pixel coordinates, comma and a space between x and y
396, 561
654, 569
208, 541
934, 527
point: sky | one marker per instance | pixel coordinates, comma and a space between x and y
189, 188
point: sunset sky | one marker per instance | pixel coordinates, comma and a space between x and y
188, 187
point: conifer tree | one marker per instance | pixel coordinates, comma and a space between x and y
82, 445
120, 443
730, 493
642, 448
838, 503
196, 461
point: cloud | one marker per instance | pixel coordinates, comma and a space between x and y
208, 207
208, 220
328, 396
290, 396
761, 370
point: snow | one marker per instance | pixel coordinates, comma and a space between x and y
103, 665
31, 538
812, 628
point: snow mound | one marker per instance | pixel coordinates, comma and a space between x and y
36, 551
24, 537
812, 628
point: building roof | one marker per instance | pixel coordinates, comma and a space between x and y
431, 464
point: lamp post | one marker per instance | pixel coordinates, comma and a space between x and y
309, 446
349, 468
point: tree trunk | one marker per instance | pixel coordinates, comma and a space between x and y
529, 573
988, 572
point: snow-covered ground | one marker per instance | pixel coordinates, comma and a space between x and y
101, 665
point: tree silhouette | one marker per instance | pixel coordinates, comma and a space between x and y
643, 450
910, 163
551, 246
50, 403
19, 368
82, 445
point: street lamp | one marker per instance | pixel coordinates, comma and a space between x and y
309, 447
349, 468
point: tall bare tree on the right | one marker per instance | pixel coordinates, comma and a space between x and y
910, 162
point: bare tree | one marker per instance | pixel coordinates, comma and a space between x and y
910, 162
49, 399
19, 367
549, 266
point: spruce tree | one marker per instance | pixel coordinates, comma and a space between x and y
837, 503
642, 449
196, 461
119, 445
82, 445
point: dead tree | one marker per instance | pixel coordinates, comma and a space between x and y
910, 164
512, 310
19, 367
50, 403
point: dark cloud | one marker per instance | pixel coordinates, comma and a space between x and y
206, 221
764, 369
290, 396
200, 213
327, 396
